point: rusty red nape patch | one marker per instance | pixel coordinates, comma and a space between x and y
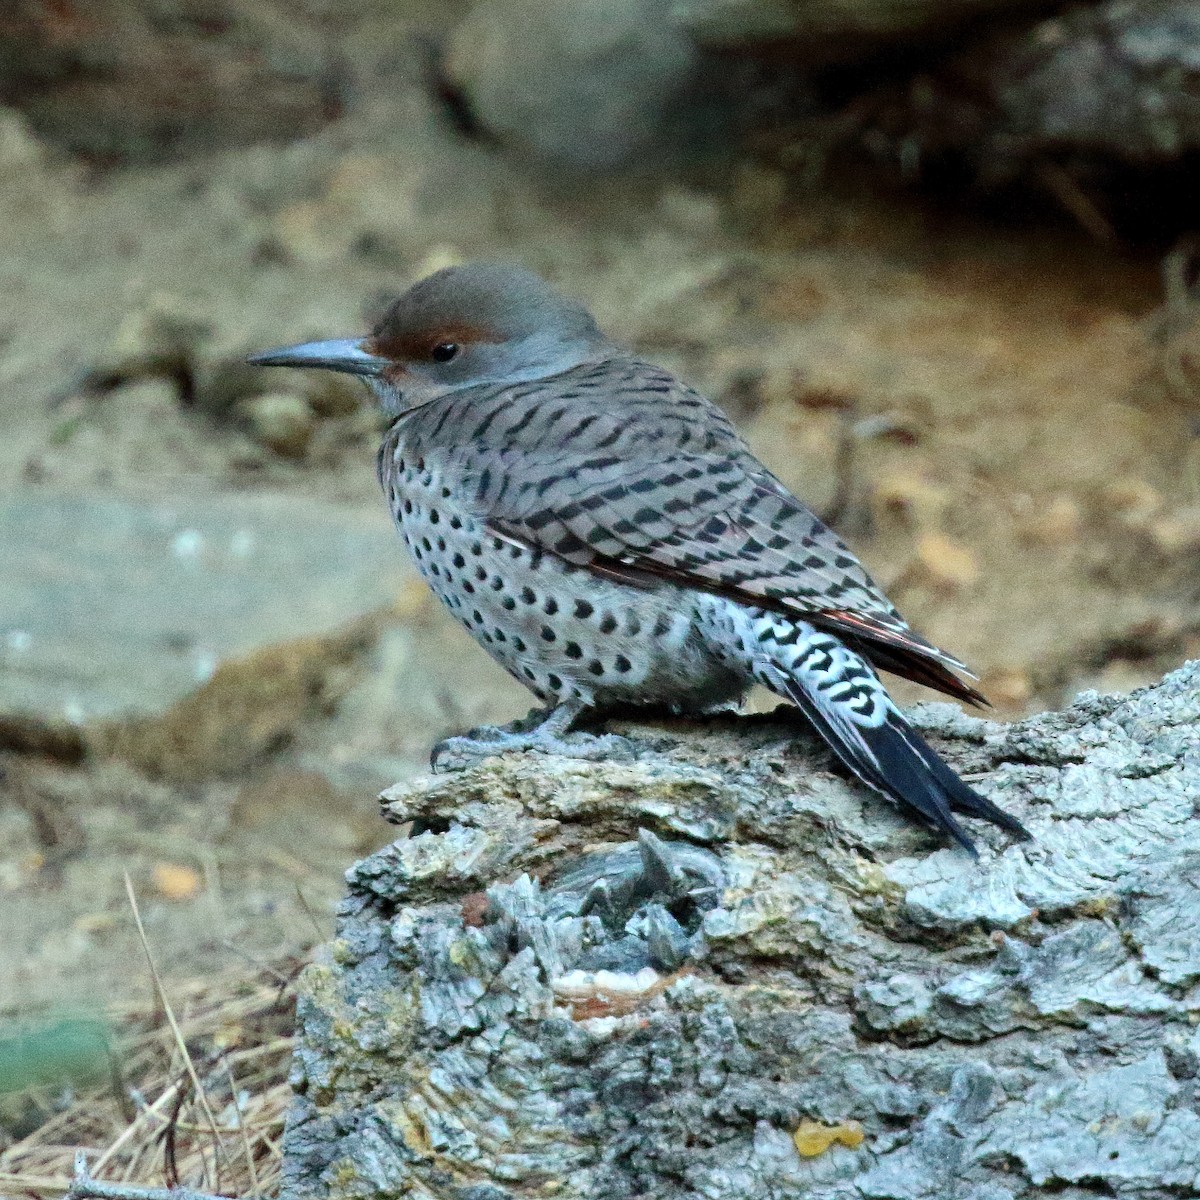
410, 346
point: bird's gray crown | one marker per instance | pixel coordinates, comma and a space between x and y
496, 302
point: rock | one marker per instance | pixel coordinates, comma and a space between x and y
1062, 100
191, 636
722, 970
591, 89
282, 421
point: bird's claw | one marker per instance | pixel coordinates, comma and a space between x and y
467, 750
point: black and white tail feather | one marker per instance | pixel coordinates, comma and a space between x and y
839, 692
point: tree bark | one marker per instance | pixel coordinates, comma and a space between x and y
719, 969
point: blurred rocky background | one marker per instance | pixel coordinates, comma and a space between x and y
936, 257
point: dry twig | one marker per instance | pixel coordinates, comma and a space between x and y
84, 1187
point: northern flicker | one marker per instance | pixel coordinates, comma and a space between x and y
604, 532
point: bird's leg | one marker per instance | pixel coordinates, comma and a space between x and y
546, 730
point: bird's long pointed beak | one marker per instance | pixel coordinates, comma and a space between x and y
338, 354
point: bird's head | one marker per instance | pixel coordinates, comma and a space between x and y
460, 327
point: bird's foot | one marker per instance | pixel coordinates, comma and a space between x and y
545, 732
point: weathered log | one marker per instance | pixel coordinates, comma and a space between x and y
719, 969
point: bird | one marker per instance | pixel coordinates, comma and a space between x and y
608, 537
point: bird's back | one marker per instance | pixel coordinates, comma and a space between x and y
616, 463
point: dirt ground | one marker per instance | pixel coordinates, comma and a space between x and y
1001, 420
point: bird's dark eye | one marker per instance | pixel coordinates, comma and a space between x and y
443, 352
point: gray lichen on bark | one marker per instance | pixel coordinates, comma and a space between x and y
722, 970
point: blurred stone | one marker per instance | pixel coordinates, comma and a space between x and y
1116, 78
583, 83
176, 882
1061, 104
189, 635
282, 421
